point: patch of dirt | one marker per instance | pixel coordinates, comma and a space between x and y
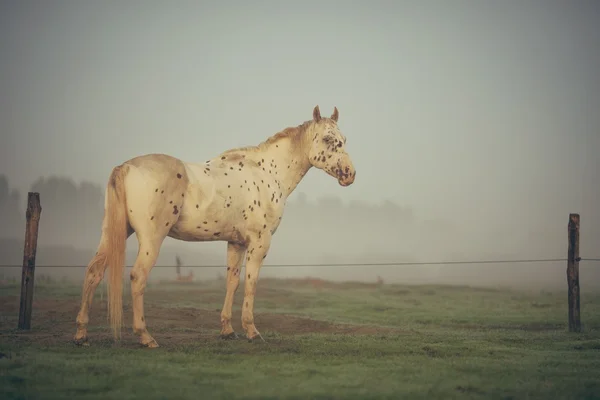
53, 322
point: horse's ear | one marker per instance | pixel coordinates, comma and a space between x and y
335, 114
317, 114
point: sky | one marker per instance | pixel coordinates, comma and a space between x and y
483, 113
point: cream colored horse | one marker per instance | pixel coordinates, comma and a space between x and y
237, 197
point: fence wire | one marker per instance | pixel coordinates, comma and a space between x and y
364, 264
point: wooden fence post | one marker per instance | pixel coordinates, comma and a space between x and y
573, 274
34, 209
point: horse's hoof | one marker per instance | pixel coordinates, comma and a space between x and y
255, 338
229, 336
83, 342
151, 344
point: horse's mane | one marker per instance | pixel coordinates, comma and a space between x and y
295, 134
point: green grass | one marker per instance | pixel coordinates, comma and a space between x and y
446, 343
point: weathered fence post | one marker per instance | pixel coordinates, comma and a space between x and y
573, 274
34, 209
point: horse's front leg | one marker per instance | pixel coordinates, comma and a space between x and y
257, 251
235, 256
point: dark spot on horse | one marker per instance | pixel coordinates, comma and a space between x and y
156, 190
217, 233
246, 304
130, 210
228, 186
248, 276
147, 253
167, 224
179, 175
228, 268
162, 191
197, 206
265, 225
151, 218
205, 222
175, 210
171, 202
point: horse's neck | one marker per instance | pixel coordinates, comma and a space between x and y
287, 161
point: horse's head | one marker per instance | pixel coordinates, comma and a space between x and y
327, 148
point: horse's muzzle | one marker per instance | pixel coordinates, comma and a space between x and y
346, 175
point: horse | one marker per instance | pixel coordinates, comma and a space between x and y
237, 197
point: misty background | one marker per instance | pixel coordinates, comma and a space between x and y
473, 127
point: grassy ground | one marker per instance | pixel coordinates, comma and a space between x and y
339, 341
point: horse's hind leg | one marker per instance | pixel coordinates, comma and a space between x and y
93, 276
235, 255
148, 251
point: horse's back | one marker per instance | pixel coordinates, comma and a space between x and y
160, 164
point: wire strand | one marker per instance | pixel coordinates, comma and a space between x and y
366, 264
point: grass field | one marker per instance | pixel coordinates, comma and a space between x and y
351, 341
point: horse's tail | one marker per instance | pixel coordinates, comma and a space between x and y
115, 238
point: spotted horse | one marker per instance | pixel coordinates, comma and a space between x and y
237, 197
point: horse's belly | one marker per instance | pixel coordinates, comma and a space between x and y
201, 222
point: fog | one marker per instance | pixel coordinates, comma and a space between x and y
473, 127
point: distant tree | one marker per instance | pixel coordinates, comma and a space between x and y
72, 214
11, 214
